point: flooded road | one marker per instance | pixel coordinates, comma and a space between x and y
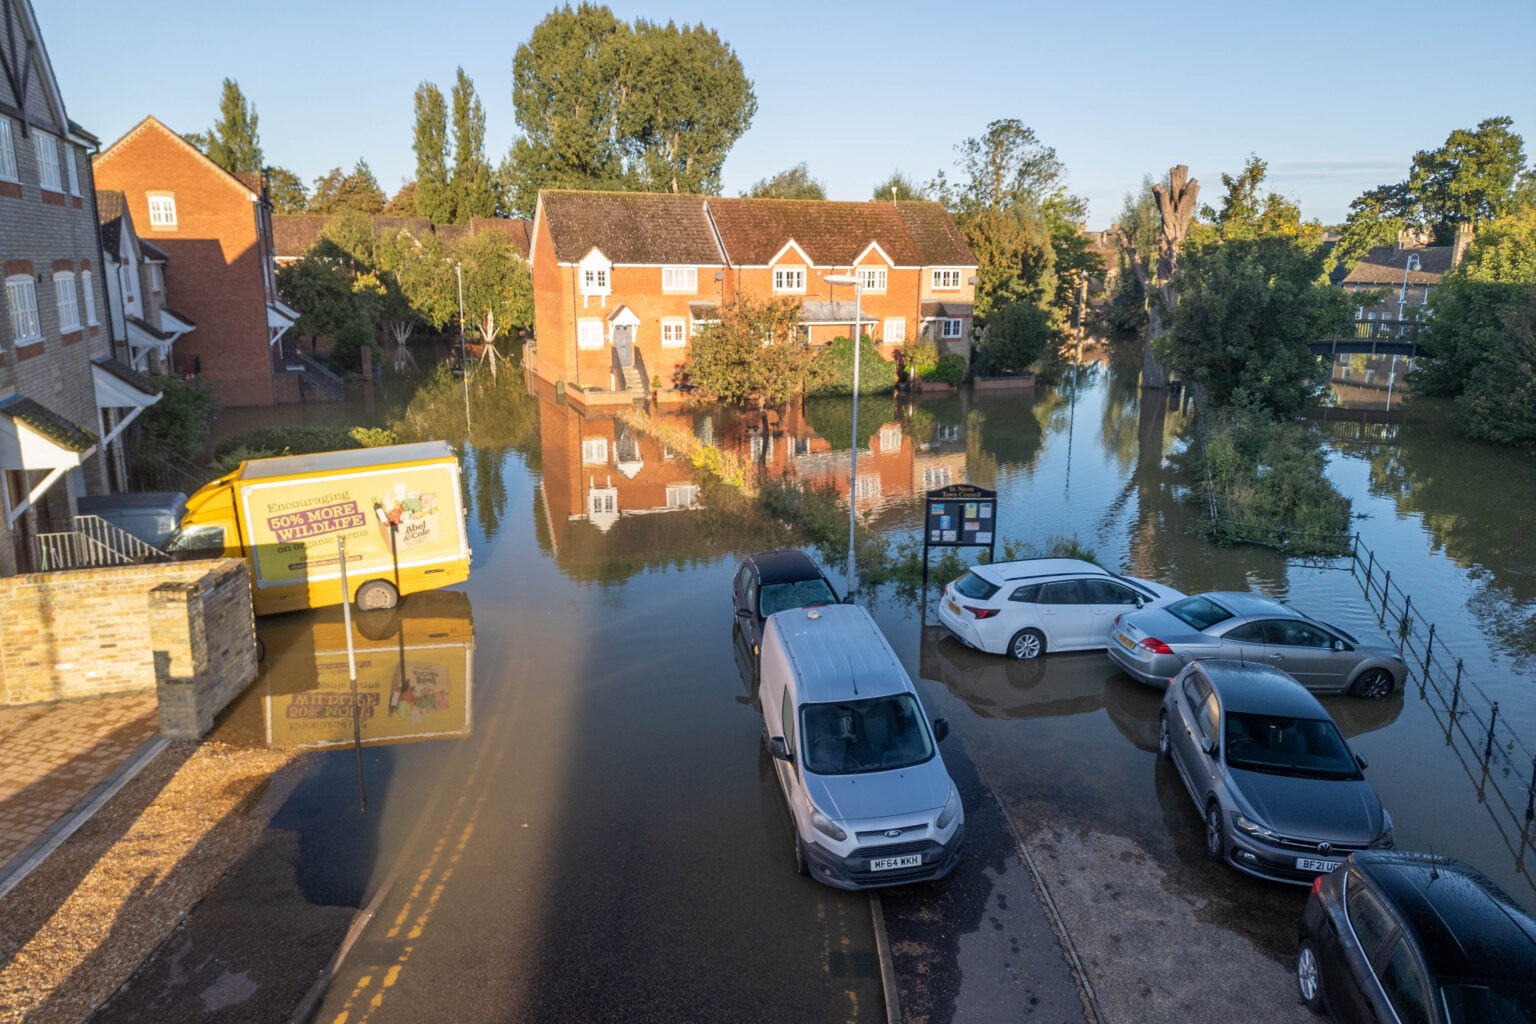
589, 802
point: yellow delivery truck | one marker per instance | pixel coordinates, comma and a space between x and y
399, 509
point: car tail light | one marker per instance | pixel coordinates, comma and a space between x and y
1119, 617
1156, 646
981, 613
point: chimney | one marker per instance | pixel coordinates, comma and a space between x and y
1462, 241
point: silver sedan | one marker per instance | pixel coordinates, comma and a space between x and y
1153, 644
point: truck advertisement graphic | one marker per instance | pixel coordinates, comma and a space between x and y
294, 525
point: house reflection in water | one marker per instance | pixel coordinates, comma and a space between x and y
415, 671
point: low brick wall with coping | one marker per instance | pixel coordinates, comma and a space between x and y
183, 629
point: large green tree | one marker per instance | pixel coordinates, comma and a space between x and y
430, 143
471, 186
900, 187
498, 287
795, 183
1247, 211
337, 191
287, 190
602, 104
1247, 309
755, 351
232, 142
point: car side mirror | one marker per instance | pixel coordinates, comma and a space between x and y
779, 749
940, 729
1209, 746
1338, 645
1361, 762
848, 599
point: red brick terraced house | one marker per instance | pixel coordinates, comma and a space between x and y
623, 280
64, 400
215, 228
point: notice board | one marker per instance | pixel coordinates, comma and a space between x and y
960, 516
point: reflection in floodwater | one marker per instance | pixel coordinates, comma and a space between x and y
994, 686
415, 669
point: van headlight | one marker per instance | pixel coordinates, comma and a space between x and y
827, 827
951, 808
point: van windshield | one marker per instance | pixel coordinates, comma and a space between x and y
873, 735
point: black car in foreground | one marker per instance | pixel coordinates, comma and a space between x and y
1416, 938
771, 581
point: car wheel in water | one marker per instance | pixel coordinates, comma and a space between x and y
1308, 980
1163, 748
1026, 644
1215, 841
1373, 684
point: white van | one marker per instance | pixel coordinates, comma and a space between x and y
871, 800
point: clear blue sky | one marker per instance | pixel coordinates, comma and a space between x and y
1336, 96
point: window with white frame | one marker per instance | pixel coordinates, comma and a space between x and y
890, 438
789, 279
872, 279
21, 297
762, 447
868, 487
589, 333
946, 432
48, 160
603, 501
682, 495
594, 451
951, 328
936, 476
594, 281
69, 305
7, 151
680, 279
69, 165
894, 330
946, 277
162, 210
89, 291
674, 333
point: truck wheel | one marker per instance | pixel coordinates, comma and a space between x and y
375, 595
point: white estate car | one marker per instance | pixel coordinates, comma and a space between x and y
1025, 608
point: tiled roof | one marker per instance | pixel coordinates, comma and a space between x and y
47, 423
933, 310
936, 235
149, 329
830, 313
630, 227
152, 251
110, 207
1384, 265
179, 316
517, 230
128, 375
831, 234
293, 234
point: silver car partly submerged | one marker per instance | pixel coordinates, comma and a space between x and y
1151, 645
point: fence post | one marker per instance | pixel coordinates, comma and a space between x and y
1492, 721
1370, 567
1530, 793
1386, 591
1429, 648
1405, 620
1456, 690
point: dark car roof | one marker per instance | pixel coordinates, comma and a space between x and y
1247, 687
1466, 925
785, 566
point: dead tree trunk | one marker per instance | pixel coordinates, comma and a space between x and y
1176, 205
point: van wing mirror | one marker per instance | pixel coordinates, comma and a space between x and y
1361, 762
779, 749
940, 729
1208, 745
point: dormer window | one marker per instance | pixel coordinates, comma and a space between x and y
593, 274
872, 279
789, 280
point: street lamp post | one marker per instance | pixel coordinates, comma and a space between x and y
853, 451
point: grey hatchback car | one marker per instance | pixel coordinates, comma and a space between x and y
1152, 644
1282, 795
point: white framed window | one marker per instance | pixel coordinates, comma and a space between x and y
951, 328
936, 476
674, 333
946, 432
21, 297
7, 151
89, 291
946, 278
594, 281
762, 447
48, 161
789, 279
589, 332
603, 501
872, 279
162, 210
69, 304
890, 438
594, 451
682, 495
680, 279
894, 330
868, 487
69, 165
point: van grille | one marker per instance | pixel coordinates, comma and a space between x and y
878, 837
892, 850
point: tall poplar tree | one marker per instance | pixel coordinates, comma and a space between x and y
431, 145
470, 187
232, 142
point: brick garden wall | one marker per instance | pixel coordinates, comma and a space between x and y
186, 628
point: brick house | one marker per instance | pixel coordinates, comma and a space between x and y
64, 400
1404, 274
144, 328
623, 280
215, 229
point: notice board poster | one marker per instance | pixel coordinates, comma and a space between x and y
960, 516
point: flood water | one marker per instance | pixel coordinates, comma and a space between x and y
585, 690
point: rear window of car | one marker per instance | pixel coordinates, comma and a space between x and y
1198, 613
975, 587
